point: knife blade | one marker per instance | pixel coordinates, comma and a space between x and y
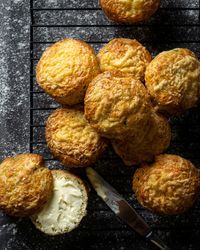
122, 208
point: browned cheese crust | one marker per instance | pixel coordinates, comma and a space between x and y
126, 55
25, 184
71, 139
173, 80
129, 11
117, 105
145, 144
168, 186
65, 70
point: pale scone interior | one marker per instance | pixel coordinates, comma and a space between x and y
67, 206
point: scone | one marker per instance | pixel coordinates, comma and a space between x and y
129, 11
146, 144
25, 184
71, 139
168, 186
117, 105
173, 80
126, 55
66, 208
65, 70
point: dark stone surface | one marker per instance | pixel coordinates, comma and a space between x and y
14, 97
14, 77
100, 229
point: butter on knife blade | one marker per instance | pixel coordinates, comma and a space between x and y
101, 191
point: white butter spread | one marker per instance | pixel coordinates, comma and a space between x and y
101, 191
63, 209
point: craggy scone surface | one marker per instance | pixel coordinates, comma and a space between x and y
71, 139
170, 185
126, 55
129, 11
25, 184
65, 69
145, 144
117, 105
173, 80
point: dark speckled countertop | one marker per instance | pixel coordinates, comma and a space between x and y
14, 97
99, 229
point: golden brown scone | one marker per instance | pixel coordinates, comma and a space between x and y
71, 139
169, 186
145, 144
129, 11
67, 206
173, 80
65, 70
117, 105
25, 184
126, 55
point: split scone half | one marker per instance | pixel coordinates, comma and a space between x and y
67, 206
173, 80
126, 55
71, 139
65, 70
117, 105
129, 11
25, 184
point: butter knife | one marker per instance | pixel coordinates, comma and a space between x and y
122, 209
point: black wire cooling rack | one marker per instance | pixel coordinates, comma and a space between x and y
176, 24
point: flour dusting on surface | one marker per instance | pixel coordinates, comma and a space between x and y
100, 227
14, 77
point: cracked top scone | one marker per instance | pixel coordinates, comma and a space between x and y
145, 144
71, 139
65, 70
129, 11
25, 184
126, 55
173, 80
170, 185
67, 206
117, 105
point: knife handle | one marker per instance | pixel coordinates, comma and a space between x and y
156, 241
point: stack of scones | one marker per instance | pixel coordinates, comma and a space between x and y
122, 97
